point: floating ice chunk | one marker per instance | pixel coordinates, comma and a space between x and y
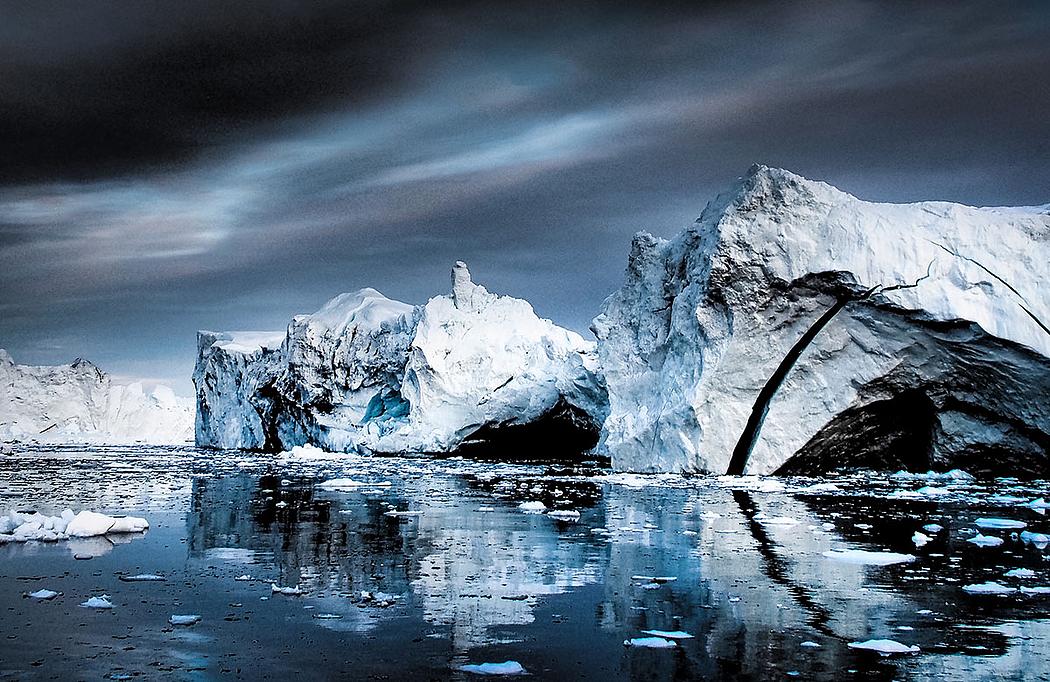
859, 556
1020, 573
651, 643
188, 619
129, 524
985, 540
777, 521
1034, 538
397, 512
885, 647
43, 594
988, 588
87, 524
505, 668
933, 528
920, 539
292, 591
668, 634
999, 523
810, 645
327, 616
534, 507
142, 578
564, 514
243, 578
1039, 503
102, 602
351, 484
933, 491
1039, 589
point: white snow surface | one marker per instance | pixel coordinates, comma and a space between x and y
367, 373
942, 301
79, 403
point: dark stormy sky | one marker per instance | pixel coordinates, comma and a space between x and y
172, 166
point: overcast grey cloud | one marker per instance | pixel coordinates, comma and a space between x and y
169, 167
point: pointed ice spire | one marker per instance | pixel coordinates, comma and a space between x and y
465, 294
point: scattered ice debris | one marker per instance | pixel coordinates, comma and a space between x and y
1020, 573
810, 645
398, 512
1039, 589
859, 556
933, 528
985, 540
1000, 523
651, 643
988, 588
378, 599
564, 514
341, 484
885, 647
102, 602
668, 634
1037, 539
25, 526
142, 578
243, 578
505, 668
920, 539
954, 475
291, 591
327, 616
534, 507
43, 594
187, 619
933, 491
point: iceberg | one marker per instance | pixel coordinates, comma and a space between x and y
797, 329
79, 403
468, 371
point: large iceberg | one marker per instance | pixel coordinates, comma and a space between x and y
796, 328
468, 370
79, 403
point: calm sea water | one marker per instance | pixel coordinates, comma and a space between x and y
467, 576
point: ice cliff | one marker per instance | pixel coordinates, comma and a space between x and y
79, 403
795, 328
467, 371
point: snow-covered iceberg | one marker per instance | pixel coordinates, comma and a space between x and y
79, 403
467, 370
796, 328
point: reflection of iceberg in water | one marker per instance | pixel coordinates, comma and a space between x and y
467, 569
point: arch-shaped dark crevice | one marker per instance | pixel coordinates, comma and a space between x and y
564, 432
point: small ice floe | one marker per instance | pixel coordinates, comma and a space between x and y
954, 475
378, 599
1038, 589
884, 647
985, 540
1037, 539
342, 484
933, 528
859, 556
142, 578
920, 539
533, 507
1020, 573
187, 619
399, 512
243, 578
988, 588
43, 594
102, 602
504, 668
810, 645
668, 634
290, 591
25, 526
328, 616
933, 491
564, 514
1000, 524
651, 643
1040, 504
